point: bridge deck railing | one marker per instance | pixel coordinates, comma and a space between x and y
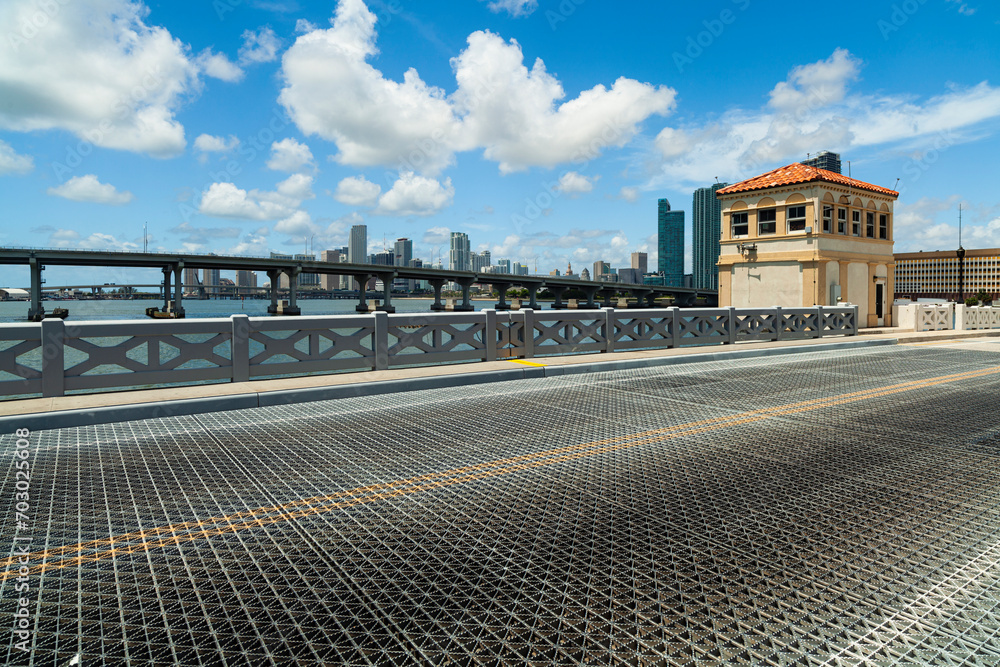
53, 357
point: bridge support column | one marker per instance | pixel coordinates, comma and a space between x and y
651, 300
293, 292
167, 270
591, 294
557, 292
466, 284
437, 284
608, 295
502, 299
533, 296
387, 279
362, 280
178, 307
36, 313
273, 276
640, 296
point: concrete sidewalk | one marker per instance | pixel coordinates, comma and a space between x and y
109, 407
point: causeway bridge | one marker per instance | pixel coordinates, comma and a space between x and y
173, 265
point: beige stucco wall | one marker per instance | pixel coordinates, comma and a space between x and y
858, 281
766, 285
832, 278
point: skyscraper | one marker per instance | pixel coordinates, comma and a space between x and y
403, 251
504, 265
825, 160
357, 246
640, 261
459, 255
671, 244
706, 226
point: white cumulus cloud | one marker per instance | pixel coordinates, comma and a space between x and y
225, 200
207, 143
89, 189
514, 114
514, 7
259, 47
415, 195
573, 183
95, 69
218, 66
357, 191
13, 163
815, 108
289, 155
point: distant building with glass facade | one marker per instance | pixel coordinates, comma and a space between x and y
670, 246
706, 228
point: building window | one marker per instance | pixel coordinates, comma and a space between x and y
870, 224
740, 225
796, 218
828, 220
883, 226
856, 223
841, 220
767, 221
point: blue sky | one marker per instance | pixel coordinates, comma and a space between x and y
545, 130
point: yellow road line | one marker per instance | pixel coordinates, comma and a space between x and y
173, 534
526, 363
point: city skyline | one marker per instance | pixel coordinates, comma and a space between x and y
217, 132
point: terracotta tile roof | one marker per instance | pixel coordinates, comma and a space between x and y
800, 173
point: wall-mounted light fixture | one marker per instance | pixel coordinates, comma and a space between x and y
746, 248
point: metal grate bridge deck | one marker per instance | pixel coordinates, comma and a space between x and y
822, 509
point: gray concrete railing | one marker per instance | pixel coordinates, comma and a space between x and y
54, 357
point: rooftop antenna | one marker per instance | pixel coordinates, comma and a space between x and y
897, 183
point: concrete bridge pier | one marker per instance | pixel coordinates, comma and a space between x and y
36, 313
167, 270
293, 293
362, 280
502, 300
387, 278
608, 294
466, 285
437, 284
640, 296
533, 296
178, 269
591, 295
273, 276
557, 292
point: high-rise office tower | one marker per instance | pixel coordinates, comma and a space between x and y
825, 160
459, 254
191, 280
211, 280
403, 251
357, 245
670, 247
640, 261
706, 224
504, 265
